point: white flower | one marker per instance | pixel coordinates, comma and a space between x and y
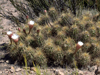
31, 22
80, 43
14, 36
9, 32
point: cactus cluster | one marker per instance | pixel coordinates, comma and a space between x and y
55, 39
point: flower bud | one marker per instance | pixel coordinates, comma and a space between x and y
78, 46
15, 38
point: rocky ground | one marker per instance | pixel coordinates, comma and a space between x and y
6, 68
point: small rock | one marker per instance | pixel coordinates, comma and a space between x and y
93, 68
31, 72
33, 69
7, 61
12, 69
80, 72
1, 61
57, 72
0, 72
18, 69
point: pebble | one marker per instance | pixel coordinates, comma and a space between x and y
33, 69
92, 69
18, 69
0, 72
12, 69
7, 61
80, 72
57, 72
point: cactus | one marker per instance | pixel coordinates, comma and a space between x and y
93, 40
58, 56
68, 58
66, 19
74, 30
86, 47
52, 38
82, 25
53, 13
92, 30
98, 30
84, 59
65, 29
39, 40
61, 35
46, 31
39, 57
86, 18
95, 49
69, 42
84, 36
49, 47
89, 24
43, 20
96, 61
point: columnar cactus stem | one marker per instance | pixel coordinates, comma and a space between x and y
9, 33
31, 23
78, 46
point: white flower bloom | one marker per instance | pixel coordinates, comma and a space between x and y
31, 22
9, 32
80, 43
14, 36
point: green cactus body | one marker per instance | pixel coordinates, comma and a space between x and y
65, 29
46, 31
49, 47
84, 59
74, 30
93, 40
96, 61
69, 42
54, 36
43, 20
95, 49
81, 25
66, 19
68, 56
98, 29
92, 30
84, 36
53, 13
86, 47
39, 57
58, 55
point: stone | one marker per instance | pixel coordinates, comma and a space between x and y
12, 69
80, 72
92, 69
1, 61
97, 71
0, 72
31, 72
7, 61
18, 69
33, 69
57, 72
